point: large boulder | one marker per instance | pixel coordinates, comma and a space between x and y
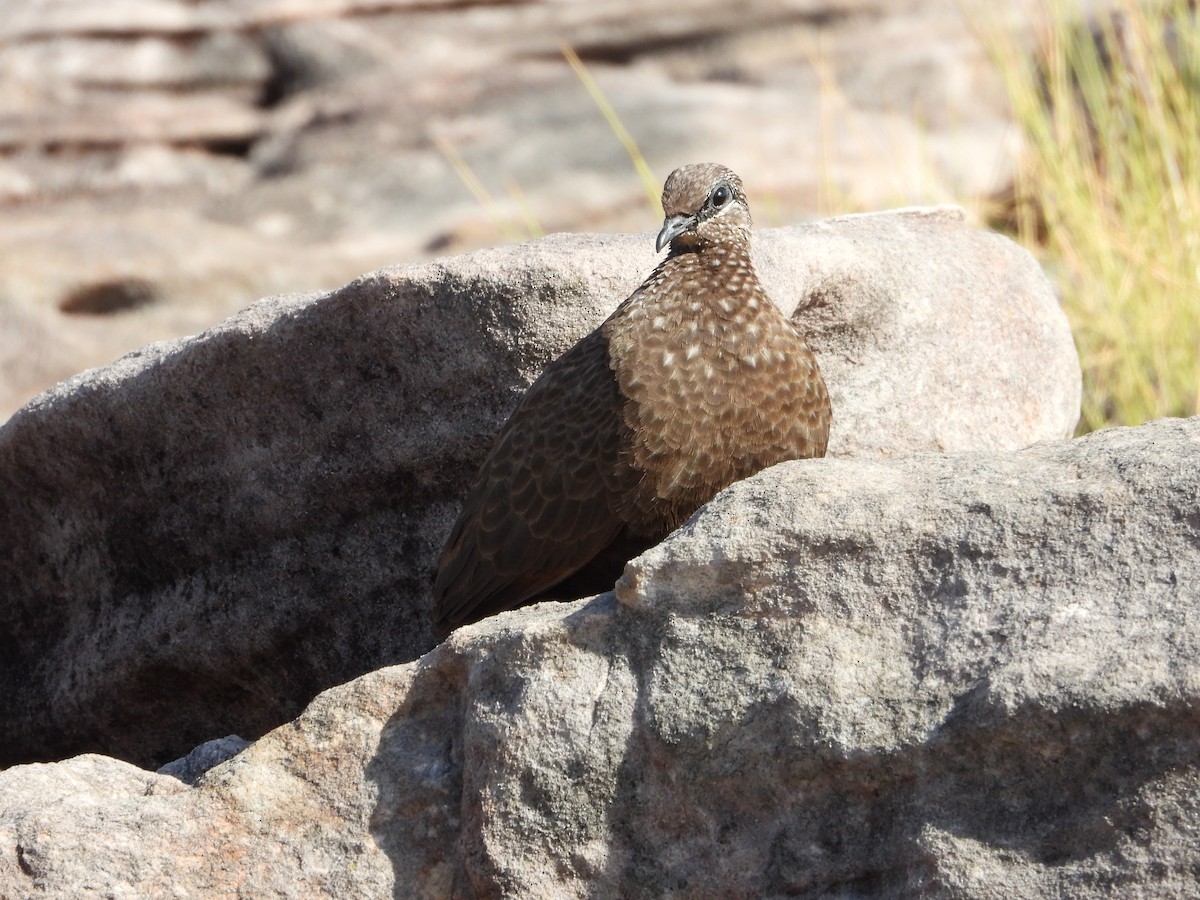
956, 675
199, 537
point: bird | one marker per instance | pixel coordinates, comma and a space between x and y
696, 381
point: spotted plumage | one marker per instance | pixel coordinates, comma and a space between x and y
695, 381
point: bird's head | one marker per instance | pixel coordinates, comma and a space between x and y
704, 204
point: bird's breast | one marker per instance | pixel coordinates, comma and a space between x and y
715, 385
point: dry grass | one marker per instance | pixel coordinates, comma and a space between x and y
649, 183
1108, 194
530, 226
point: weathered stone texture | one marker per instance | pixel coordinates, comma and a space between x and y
961, 675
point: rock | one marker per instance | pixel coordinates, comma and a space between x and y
38, 861
943, 271
147, 120
972, 674
208, 755
218, 59
204, 534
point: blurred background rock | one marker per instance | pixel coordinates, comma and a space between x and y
166, 162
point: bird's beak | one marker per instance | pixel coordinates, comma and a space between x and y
673, 226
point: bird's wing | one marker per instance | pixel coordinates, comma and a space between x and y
540, 508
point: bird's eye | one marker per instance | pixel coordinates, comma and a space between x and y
721, 196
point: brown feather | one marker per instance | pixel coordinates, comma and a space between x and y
695, 381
